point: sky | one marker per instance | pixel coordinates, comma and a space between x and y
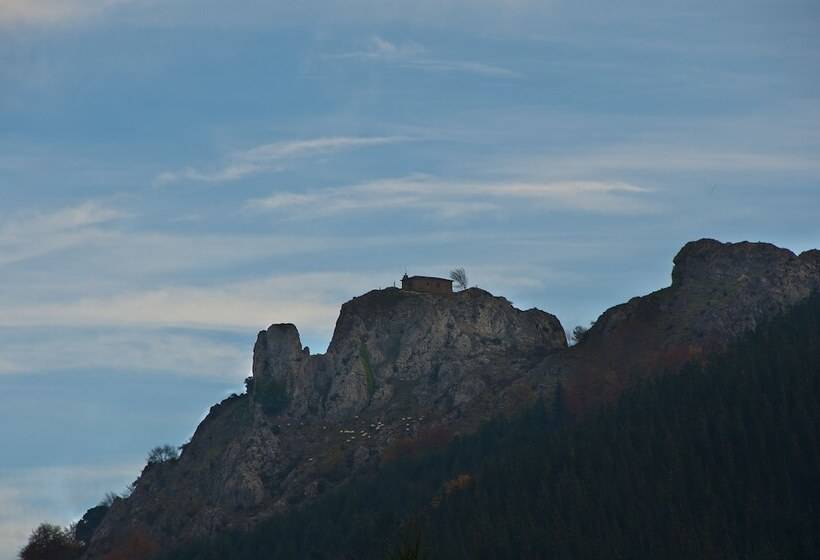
176, 175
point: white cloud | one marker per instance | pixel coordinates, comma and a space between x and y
91, 231
382, 48
178, 329
37, 234
122, 349
307, 299
83, 215
414, 56
270, 157
51, 11
450, 198
660, 158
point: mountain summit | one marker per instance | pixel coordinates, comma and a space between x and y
399, 350
409, 370
719, 291
404, 369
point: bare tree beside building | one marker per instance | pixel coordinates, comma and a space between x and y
459, 278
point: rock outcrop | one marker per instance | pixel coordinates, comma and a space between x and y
408, 370
403, 369
434, 346
719, 291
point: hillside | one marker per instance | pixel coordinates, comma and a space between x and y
408, 372
403, 370
713, 462
718, 292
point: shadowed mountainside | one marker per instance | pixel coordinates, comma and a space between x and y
714, 462
406, 371
718, 291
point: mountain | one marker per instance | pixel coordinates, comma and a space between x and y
407, 372
714, 462
403, 370
719, 291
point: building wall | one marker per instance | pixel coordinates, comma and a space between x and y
432, 285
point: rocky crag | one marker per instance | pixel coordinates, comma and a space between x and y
718, 291
406, 371
403, 370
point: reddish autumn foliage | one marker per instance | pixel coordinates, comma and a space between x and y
137, 545
431, 439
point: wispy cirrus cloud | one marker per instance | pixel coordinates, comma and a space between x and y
666, 159
177, 329
414, 56
454, 197
51, 11
91, 229
267, 157
88, 213
228, 306
190, 354
36, 234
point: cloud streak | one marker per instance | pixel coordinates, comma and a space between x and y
73, 217
37, 234
145, 350
231, 306
414, 56
178, 329
267, 157
667, 159
51, 11
452, 198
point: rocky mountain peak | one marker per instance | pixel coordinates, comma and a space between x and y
710, 261
719, 291
390, 338
402, 367
383, 318
408, 370
811, 258
279, 345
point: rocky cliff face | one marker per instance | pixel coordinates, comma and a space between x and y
719, 290
403, 369
425, 351
407, 370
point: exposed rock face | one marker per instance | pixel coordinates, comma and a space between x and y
409, 369
402, 367
718, 291
431, 343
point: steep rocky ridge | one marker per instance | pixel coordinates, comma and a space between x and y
407, 370
719, 290
402, 369
388, 342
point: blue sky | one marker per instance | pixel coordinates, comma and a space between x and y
177, 175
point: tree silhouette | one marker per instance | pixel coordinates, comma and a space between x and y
51, 542
162, 454
459, 276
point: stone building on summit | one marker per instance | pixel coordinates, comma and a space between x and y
429, 284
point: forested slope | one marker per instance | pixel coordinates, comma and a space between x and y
717, 461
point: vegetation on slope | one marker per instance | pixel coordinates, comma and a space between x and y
369, 378
721, 461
